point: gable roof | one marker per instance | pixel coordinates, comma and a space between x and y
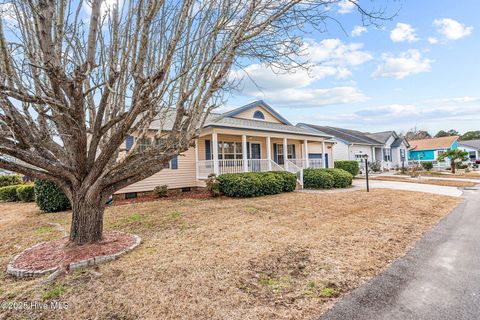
258, 103
250, 124
471, 143
346, 135
382, 136
433, 143
225, 120
399, 141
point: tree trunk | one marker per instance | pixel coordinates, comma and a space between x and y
87, 217
452, 165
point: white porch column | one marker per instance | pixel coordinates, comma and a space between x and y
215, 153
324, 154
305, 152
373, 154
196, 158
244, 153
285, 156
269, 154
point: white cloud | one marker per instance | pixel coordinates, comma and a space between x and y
358, 31
452, 29
403, 32
7, 13
433, 40
333, 52
403, 65
345, 6
295, 89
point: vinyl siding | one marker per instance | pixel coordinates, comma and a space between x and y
184, 176
248, 114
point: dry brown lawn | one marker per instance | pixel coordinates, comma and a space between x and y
287, 256
461, 175
437, 182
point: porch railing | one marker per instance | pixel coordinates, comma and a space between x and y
310, 163
206, 167
293, 168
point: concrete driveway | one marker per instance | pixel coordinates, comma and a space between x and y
438, 279
442, 190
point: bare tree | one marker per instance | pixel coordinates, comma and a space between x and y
76, 78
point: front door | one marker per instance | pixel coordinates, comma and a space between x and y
255, 156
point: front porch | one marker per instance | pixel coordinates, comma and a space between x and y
224, 151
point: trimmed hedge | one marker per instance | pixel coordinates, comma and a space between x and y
347, 165
326, 178
255, 184
317, 179
26, 193
9, 193
50, 197
289, 180
10, 180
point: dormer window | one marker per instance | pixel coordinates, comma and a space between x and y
258, 115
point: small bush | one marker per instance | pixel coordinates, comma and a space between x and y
26, 193
250, 184
317, 179
161, 191
341, 178
50, 197
9, 193
375, 166
213, 185
349, 166
10, 180
461, 165
427, 165
289, 180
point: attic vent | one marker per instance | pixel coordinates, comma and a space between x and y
259, 115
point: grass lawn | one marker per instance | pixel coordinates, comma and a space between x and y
287, 256
437, 182
448, 174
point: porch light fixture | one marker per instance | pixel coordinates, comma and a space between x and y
365, 156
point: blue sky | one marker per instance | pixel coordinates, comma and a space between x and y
421, 69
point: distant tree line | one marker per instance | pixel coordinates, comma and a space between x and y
416, 134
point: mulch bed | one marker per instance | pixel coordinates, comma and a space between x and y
59, 253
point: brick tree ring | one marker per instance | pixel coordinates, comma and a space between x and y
48, 257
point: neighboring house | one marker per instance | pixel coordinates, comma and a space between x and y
250, 138
387, 147
472, 147
430, 149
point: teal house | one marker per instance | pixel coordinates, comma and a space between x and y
430, 149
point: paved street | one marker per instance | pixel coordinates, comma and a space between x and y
438, 279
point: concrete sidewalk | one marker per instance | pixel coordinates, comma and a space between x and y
408, 186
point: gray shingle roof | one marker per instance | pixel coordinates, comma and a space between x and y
239, 123
380, 136
471, 143
225, 120
349, 136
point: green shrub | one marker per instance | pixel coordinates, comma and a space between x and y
250, 184
50, 197
326, 178
10, 180
349, 166
427, 165
289, 180
341, 178
26, 193
9, 193
317, 179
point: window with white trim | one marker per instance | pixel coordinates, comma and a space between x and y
387, 154
144, 144
229, 150
290, 153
